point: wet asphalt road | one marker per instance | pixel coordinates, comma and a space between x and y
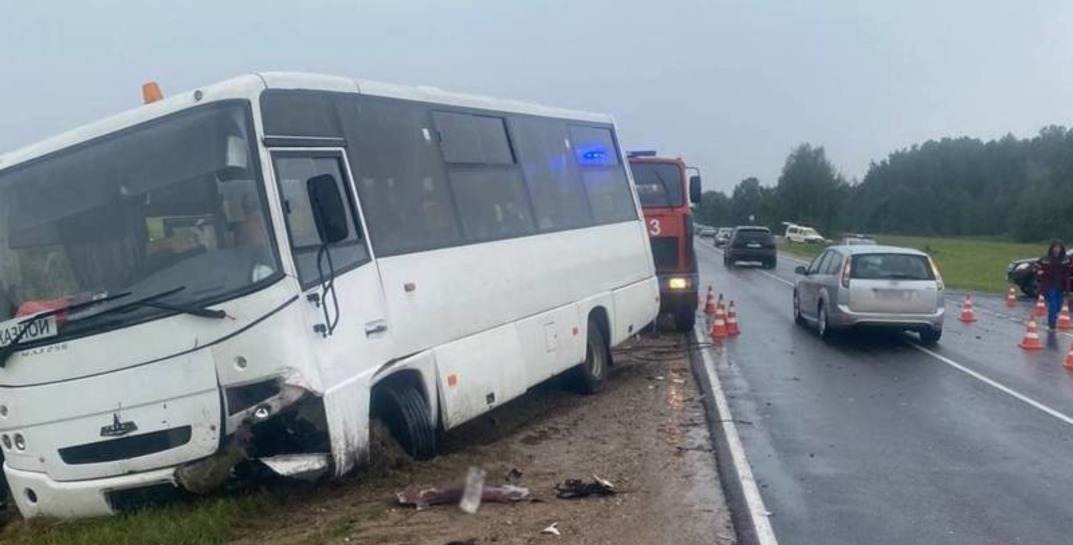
870, 440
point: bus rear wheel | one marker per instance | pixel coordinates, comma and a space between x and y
591, 375
405, 412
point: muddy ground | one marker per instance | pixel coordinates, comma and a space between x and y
646, 433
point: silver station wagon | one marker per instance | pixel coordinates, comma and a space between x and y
881, 286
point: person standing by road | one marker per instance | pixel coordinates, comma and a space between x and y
1053, 276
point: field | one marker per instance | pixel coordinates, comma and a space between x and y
965, 263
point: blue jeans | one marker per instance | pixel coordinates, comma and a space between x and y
1054, 298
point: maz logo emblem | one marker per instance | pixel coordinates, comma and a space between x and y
118, 429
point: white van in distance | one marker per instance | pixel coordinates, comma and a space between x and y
255, 269
803, 235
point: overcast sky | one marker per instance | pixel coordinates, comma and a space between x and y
730, 85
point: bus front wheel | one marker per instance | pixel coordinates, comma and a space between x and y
406, 413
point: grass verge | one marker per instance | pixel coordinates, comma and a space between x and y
210, 521
965, 263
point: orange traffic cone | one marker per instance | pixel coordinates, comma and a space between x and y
1064, 322
709, 303
732, 321
1041, 307
1011, 298
967, 314
1069, 359
719, 326
1031, 339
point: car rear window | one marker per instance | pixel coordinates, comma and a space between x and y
891, 267
752, 235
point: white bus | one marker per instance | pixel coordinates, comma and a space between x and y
255, 269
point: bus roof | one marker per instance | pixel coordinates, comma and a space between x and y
250, 86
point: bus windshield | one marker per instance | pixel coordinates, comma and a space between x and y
658, 184
174, 202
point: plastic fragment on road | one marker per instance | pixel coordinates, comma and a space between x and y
471, 494
553, 529
576, 488
423, 498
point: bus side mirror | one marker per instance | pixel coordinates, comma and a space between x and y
800, 269
694, 189
329, 214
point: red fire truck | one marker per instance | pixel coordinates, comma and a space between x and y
665, 196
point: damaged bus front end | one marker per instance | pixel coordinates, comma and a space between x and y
142, 300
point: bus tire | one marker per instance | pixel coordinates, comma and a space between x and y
684, 319
406, 413
590, 376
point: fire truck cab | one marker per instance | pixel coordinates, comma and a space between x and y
666, 193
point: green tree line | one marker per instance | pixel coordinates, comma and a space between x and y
1022, 188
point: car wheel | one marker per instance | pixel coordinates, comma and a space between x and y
930, 336
684, 319
728, 263
591, 374
823, 328
771, 264
406, 413
798, 318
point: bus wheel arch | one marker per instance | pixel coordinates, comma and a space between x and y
400, 401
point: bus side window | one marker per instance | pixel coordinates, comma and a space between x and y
292, 172
486, 182
551, 176
602, 174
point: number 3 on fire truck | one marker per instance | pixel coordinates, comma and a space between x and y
654, 227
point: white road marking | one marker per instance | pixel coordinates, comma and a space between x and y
758, 513
777, 277
994, 384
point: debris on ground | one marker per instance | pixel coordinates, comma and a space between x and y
471, 494
577, 488
422, 498
553, 529
470, 541
514, 475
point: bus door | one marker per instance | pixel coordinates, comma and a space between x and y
343, 294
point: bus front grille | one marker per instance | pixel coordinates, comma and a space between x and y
126, 447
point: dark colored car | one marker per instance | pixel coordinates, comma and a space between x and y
1022, 273
750, 244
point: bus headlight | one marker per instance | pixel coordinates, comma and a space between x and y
678, 283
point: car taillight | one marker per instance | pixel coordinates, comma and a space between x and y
845, 272
935, 270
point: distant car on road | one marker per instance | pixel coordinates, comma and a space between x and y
858, 240
750, 243
722, 236
871, 285
802, 234
706, 232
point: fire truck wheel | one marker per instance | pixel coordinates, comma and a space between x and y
684, 319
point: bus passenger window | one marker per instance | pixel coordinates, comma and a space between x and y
603, 175
551, 176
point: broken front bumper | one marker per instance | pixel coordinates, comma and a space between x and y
38, 495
